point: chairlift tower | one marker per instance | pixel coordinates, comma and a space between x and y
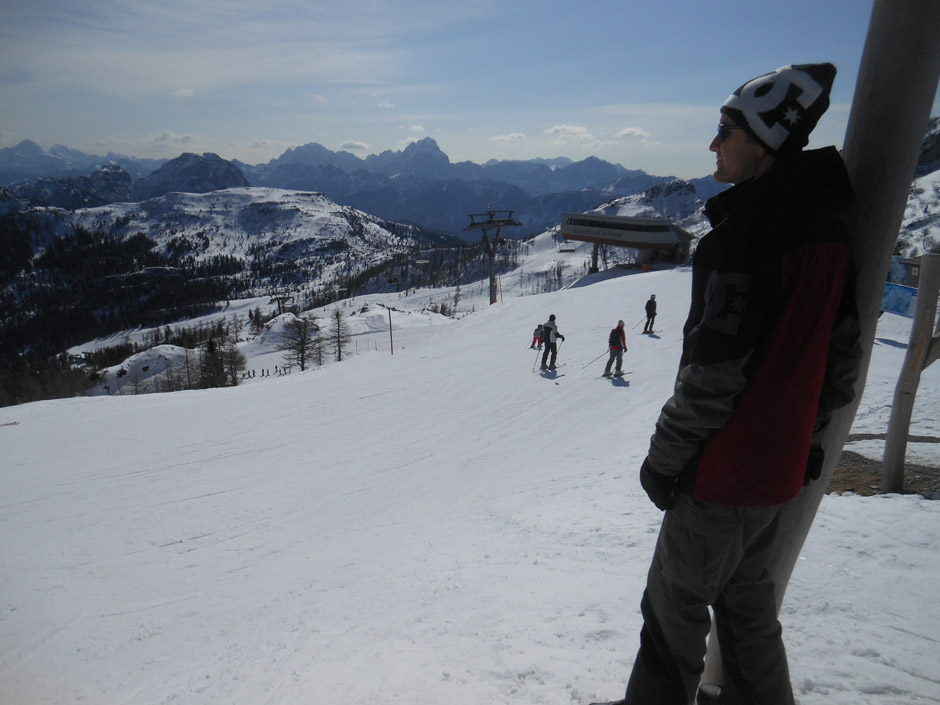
491, 220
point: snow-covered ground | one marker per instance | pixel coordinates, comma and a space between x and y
438, 525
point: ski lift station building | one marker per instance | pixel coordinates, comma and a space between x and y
657, 238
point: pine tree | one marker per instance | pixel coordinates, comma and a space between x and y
211, 366
256, 319
340, 336
233, 361
301, 340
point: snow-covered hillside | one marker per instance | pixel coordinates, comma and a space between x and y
920, 230
306, 227
438, 525
676, 200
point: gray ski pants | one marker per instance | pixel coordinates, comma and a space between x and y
616, 354
711, 554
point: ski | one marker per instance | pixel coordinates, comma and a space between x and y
551, 369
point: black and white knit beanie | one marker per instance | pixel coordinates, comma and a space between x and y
781, 108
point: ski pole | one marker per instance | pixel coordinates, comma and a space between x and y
639, 322
537, 353
596, 359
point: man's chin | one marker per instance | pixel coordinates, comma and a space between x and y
720, 176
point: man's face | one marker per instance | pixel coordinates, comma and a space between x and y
739, 157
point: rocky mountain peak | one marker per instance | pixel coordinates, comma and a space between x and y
190, 173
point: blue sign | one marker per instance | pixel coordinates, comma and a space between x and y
899, 299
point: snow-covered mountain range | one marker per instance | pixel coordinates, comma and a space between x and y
418, 184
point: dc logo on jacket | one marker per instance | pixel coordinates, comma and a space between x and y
726, 300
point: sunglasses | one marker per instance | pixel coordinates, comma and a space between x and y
724, 131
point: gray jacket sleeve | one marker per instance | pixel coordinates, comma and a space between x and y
701, 404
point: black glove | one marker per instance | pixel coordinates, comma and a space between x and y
658, 487
562, 337
814, 463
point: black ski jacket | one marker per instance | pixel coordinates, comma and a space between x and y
771, 341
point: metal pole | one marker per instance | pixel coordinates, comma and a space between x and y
897, 82
896, 85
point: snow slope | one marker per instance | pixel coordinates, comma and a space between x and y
438, 525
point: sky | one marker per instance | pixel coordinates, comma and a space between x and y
636, 83
441, 525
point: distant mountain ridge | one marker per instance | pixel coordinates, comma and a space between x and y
108, 183
27, 160
418, 184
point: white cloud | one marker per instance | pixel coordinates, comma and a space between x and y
511, 137
563, 134
639, 133
386, 105
416, 128
185, 92
354, 145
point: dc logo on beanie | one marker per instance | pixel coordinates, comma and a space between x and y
781, 108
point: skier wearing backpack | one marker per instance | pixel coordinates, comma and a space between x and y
549, 335
537, 337
617, 342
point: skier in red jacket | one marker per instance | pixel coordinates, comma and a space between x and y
617, 341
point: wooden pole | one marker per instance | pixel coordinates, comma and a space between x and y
916, 359
896, 85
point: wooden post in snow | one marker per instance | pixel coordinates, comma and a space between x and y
917, 358
896, 85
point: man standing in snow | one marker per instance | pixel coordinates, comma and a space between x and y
770, 350
618, 344
549, 335
650, 314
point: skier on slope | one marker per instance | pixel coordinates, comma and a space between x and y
537, 337
617, 342
650, 314
549, 335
